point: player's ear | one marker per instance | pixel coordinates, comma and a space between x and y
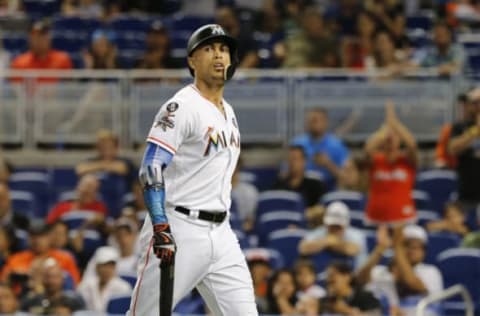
190, 62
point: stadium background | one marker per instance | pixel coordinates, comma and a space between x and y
49, 120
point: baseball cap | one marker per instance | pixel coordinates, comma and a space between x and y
337, 214
38, 228
106, 254
415, 232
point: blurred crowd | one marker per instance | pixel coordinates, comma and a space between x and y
394, 36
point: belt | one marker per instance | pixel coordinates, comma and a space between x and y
216, 217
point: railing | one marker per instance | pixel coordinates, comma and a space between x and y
447, 293
68, 107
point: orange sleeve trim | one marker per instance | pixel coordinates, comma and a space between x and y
162, 144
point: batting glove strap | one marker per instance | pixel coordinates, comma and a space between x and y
163, 243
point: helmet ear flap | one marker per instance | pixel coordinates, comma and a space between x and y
229, 71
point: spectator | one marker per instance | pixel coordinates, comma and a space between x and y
8, 300
98, 289
325, 152
447, 57
344, 297
85, 200
40, 247
464, 144
406, 275
392, 171
108, 159
59, 235
399, 34
8, 216
345, 15
6, 244
357, 49
351, 176
313, 46
281, 292
260, 269
53, 286
41, 55
305, 277
136, 209
296, 180
125, 235
82, 8
453, 221
102, 53
336, 236
158, 49
443, 158
307, 306
247, 50
270, 32
245, 196
385, 56
6, 169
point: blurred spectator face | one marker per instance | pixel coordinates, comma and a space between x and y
40, 243
40, 42
308, 306
158, 41
107, 145
53, 278
454, 214
337, 281
317, 123
101, 47
336, 230
313, 23
87, 189
126, 237
4, 171
106, 271
415, 250
365, 25
442, 37
399, 23
5, 203
391, 142
349, 175
271, 21
384, 44
227, 19
296, 161
59, 235
8, 301
62, 310
472, 106
284, 283
305, 277
4, 242
260, 271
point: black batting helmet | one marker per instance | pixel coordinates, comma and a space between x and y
210, 32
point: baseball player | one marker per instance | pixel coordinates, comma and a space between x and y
191, 153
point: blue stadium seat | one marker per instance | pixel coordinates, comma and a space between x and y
23, 202
265, 43
460, 266
439, 242
38, 9
128, 58
81, 25
92, 240
118, 305
75, 219
38, 183
272, 221
21, 237
133, 23
323, 259
77, 60
112, 189
354, 200
474, 62
15, 43
421, 21
286, 242
279, 200
439, 184
421, 199
357, 219
263, 178
426, 216
130, 278
189, 22
63, 179
191, 304
68, 42
130, 40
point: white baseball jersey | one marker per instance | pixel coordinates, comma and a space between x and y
205, 145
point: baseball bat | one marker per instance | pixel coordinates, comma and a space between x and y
167, 273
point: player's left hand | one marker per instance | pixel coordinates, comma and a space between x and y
163, 244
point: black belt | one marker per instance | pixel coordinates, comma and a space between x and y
216, 217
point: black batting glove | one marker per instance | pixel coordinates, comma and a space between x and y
163, 244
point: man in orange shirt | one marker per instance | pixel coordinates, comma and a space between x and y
40, 248
41, 55
392, 172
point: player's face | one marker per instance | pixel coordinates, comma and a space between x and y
210, 61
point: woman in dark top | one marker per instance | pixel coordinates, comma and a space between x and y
281, 293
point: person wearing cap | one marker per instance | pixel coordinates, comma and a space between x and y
192, 149
98, 289
336, 236
39, 248
158, 54
407, 274
102, 53
464, 144
41, 55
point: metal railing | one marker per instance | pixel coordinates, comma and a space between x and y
445, 294
59, 107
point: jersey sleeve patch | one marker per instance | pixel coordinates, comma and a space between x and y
167, 119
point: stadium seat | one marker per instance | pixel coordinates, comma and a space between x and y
426, 216
21, 237
189, 22
439, 185
420, 21
36, 182
38, 9
118, 305
92, 240
279, 200
286, 242
69, 42
354, 200
112, 189
15, 43
23, 202
263, 177
323, 259
130, 278
190, 304
265, 43
132, 23
439, 242
460, 266
421, 199
272, 221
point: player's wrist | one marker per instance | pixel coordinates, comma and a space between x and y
161, 228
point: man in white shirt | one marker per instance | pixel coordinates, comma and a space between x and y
99, 289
